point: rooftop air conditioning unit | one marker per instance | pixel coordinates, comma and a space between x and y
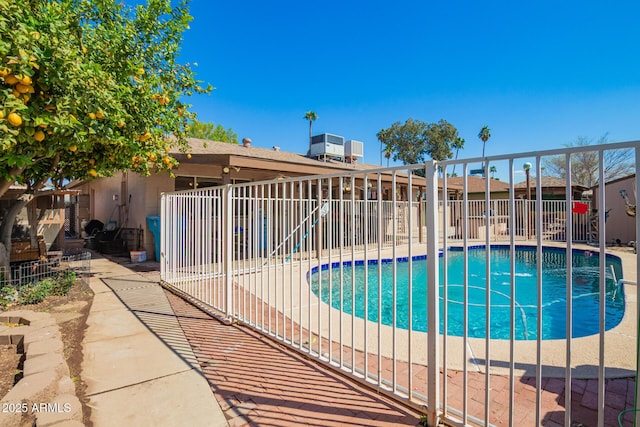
353, 149
326, 146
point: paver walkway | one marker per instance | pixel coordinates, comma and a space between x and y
258, 382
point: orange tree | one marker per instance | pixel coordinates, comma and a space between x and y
88, 88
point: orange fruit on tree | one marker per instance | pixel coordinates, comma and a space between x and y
38, 136
14, 119
73, 148
99, 114
26, 80
120, 124
1, 114
188, 155
146, 136
92, 172
91, 116
22, 88
10, 79
92, 162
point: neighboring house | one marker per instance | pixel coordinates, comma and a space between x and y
553, 188
50, 211
621, 222
476, 187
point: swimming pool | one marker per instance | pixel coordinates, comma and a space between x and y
585, 292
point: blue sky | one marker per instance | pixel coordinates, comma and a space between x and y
539, 74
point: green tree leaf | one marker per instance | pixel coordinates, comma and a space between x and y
413, 141
212, 132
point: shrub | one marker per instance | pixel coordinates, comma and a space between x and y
36, 293
64, 283
8, 295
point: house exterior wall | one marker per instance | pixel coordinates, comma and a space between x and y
145, 201
101, 192
50, 226
619, 224
137, 198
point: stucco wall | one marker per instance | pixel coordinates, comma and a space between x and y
140, 199
103, 207
145, 200
619, 224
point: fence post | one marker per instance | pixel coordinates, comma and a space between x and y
227, 244
433, 279
319, 227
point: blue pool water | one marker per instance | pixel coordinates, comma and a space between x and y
585, 292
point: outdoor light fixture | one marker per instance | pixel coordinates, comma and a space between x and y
225, 169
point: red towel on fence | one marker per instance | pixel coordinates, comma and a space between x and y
580, 208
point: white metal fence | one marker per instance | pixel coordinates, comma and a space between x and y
361, 285
55, 265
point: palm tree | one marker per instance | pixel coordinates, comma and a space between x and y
493, 171
387, 155
311, 116
484, 135
457, 144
